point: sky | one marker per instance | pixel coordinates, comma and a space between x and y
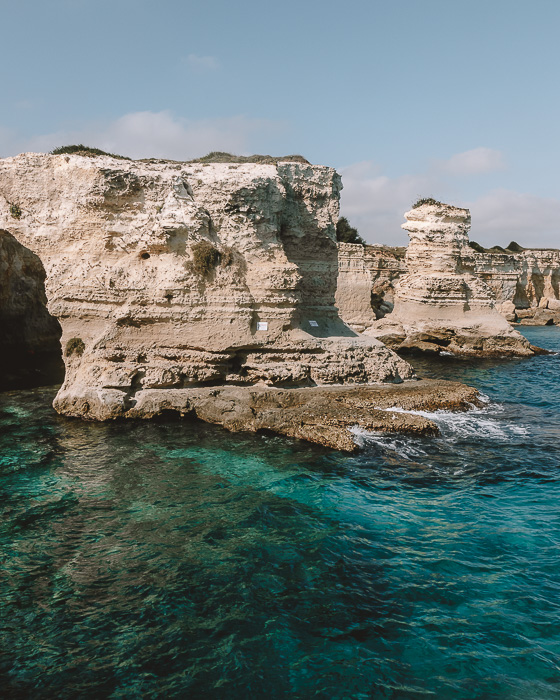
452, 99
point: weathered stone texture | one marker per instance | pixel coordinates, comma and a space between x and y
117, 239
322, 415
441, 303
527, 280
365, 282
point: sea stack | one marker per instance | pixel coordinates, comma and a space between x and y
441, 304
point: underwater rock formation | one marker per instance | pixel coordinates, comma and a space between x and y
322, 415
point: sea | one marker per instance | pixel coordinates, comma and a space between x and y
172, 559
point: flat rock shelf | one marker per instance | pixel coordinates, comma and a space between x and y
320, 414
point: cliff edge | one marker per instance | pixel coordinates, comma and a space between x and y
171, 275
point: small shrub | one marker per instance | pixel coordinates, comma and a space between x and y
15, 211
427, 200
222, 157
346, 233
81, 150
515, 247
226, 256
75, 346
476, 246
205, 257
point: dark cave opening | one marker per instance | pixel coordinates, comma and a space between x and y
30, 352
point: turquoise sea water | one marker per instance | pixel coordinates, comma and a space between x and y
173, 559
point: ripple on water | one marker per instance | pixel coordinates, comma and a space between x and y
173, 559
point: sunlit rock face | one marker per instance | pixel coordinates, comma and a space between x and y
441, 304
525, 284
441, 265
366, 275
141, 307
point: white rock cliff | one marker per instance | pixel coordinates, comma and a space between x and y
143, 305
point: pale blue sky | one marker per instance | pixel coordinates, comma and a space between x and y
455, 99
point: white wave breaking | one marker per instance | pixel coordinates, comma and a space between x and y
485, 423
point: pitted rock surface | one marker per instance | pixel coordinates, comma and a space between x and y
139, 311
441, 301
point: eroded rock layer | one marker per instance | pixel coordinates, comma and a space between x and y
170, 275
322, 415
525, 284
441, 304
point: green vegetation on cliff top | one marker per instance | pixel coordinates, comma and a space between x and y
222, 157
81, 150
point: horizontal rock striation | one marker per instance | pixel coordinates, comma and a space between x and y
526, 284
173, 275
366, 277
441, 304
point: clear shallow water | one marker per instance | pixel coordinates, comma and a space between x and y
173, 559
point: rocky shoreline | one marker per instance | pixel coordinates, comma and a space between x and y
525, 283
214, 289
321, 415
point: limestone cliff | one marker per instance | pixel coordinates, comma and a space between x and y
525, 284
441, 303
366, 275
172, 275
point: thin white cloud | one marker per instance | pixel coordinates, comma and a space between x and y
376, 203
501, 216
474, 162
202, 64
155, 134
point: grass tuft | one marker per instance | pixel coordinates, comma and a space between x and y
15, 211
75, 346
81, 150
205, 257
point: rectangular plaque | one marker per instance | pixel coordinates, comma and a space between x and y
262, 325
314, 324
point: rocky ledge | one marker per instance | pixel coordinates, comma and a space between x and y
322, 415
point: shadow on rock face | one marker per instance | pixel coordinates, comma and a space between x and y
30, 353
